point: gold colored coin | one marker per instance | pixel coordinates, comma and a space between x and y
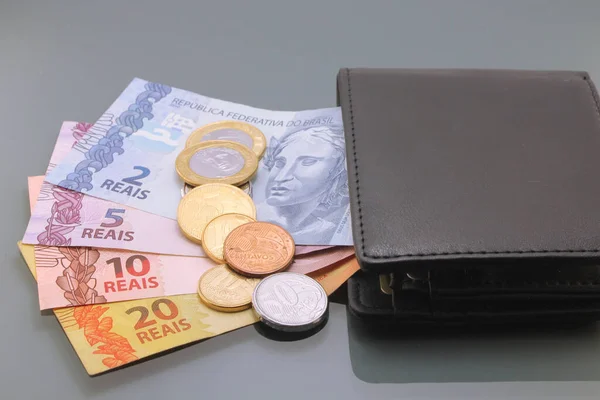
234, 131
217, 230
222, 289
204, 203
223, 309
216, 161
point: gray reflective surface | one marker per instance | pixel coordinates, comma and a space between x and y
69, 59
491, 354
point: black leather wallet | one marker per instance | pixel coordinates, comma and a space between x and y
475, 194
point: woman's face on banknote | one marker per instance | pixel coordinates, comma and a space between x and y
301, 171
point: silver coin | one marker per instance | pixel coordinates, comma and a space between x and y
217, 162
185, 189
247, 188
418, 275
291, 302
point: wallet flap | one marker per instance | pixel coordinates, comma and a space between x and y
450, 166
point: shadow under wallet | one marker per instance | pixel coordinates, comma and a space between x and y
393, 351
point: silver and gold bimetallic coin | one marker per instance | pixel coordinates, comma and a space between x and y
233, 131
216, 162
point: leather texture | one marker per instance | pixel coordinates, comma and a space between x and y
478, 296
456, 167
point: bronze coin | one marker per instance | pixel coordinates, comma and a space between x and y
258, 249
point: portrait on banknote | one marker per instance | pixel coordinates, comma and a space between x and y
306, 189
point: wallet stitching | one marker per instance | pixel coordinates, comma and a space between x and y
417, 255
594, 95
362, 232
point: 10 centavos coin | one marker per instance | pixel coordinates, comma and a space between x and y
258, 249
216, 162
206, 202
213, 237
224, 290
234, 131
291, 302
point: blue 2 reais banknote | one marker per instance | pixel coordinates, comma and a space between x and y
128, 157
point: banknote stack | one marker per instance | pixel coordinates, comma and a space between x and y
176, 217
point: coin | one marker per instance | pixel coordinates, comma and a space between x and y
222, 289
186, 188
258, 249
247, 188
384, 284
217, 230
216, 161
234, 131
206, 202
289, 301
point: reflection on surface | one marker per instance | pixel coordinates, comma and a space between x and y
279, 336
491, 354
